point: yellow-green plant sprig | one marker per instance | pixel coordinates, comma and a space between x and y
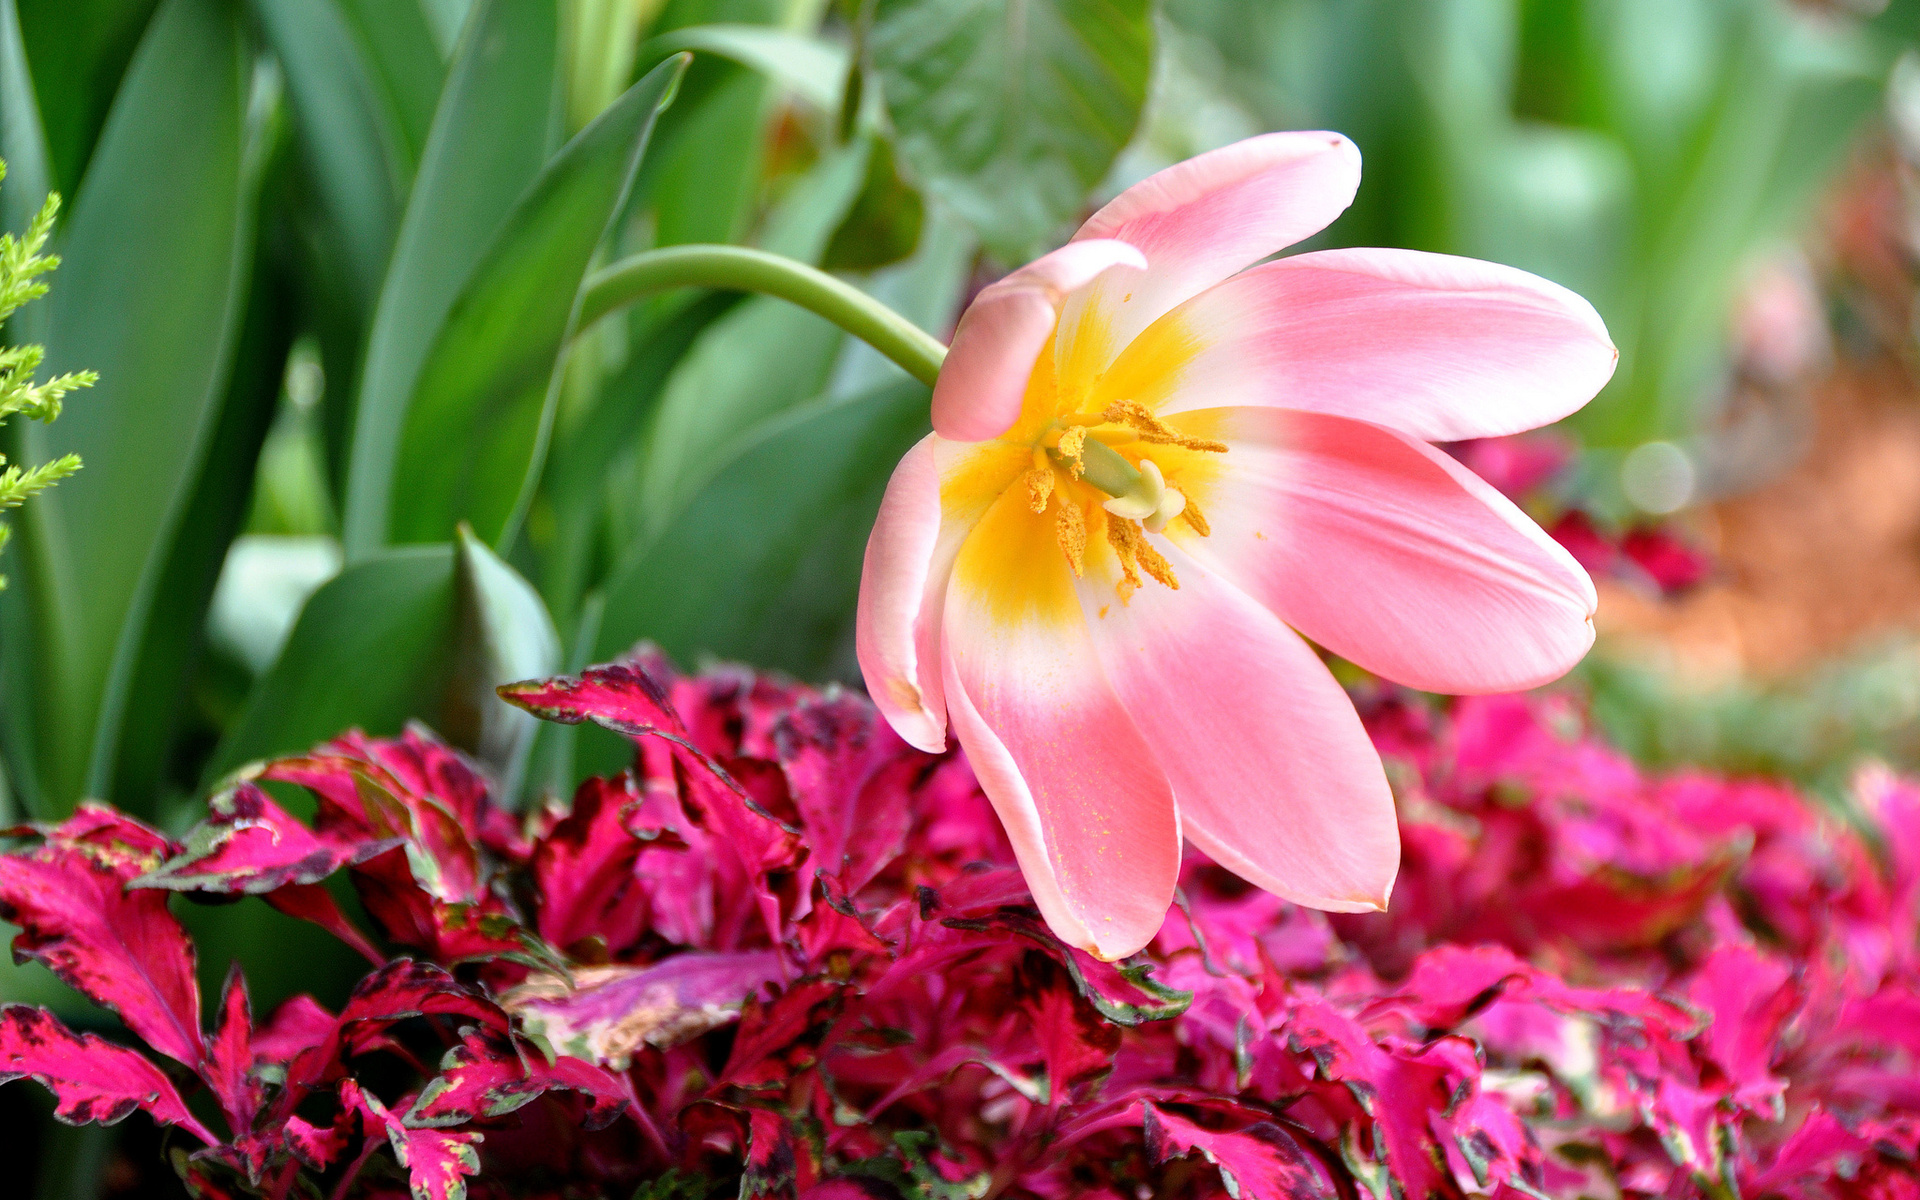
21, 266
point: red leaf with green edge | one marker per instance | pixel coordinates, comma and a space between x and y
91, 1079
317, 1147
121, 948
849, 775
608, 1013
1258, 1161
229, 1066
779, 1035
779, 1159
447, 931
401, 990
584, 868
250, 845
1076, 1044
623, 696
437, 1162
428, 767
492, 1074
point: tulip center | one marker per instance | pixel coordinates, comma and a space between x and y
1082, 456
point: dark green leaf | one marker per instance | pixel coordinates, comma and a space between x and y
79, 50
475, 430
1012, 110
883, 226
505, 635
497, 117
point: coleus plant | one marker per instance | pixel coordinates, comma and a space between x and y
787, 955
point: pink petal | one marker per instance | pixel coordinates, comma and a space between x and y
1275, 777
1198, 222
1390, 554
1440, 347
984, 379
897, 622
1086, 807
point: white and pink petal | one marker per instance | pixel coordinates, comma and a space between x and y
1388, 552
1440, 347
1274, 775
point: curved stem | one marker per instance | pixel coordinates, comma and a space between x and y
739, 268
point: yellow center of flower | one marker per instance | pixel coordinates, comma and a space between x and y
1098, 476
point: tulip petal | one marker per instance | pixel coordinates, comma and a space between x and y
1084, 803
1275, 777
984, 379
1388, 552
1198, 222
1440, 347
897, 622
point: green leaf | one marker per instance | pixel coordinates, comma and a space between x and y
883, 226
1012, 110
764, 564
352, 133
79, 51
23, 140
498, 115
813, 68
475, 432
372, 648
156, 254
170, 651
505, 636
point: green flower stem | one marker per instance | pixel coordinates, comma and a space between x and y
738, 268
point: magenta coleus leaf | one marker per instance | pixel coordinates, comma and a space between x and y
121, 948
91, 1079
849, 774
229, 1066
1257, 1161
437, 1161
624, 697
606, 1014
585, 868
248, 844
492, 1074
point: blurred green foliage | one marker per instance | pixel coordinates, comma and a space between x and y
354, 458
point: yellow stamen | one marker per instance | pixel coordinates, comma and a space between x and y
1070, 527
1039, 483
1134, 550
1192, 515
1073, 444
1134, 414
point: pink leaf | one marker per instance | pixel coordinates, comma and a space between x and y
849, 773
121, 948
248, 844
229, 1066
1258, 1161
611, 1012
437, 1162
584, 868
91, 1079
491, 1074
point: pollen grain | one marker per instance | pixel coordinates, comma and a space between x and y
1070, 527
1135, 415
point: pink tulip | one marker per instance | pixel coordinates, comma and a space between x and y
1151, 465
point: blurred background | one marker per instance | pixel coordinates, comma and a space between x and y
355, 456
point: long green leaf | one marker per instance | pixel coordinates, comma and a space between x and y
498, 116
352, 135
476, 427
1012, 110
149, 295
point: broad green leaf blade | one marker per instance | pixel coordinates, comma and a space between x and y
498, 115
405, 55
764, 565
149, 294
1012, 110
351, 135
23, 138
371, 649
79, 50
164, 672
475, 431
505, 636
813, 68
